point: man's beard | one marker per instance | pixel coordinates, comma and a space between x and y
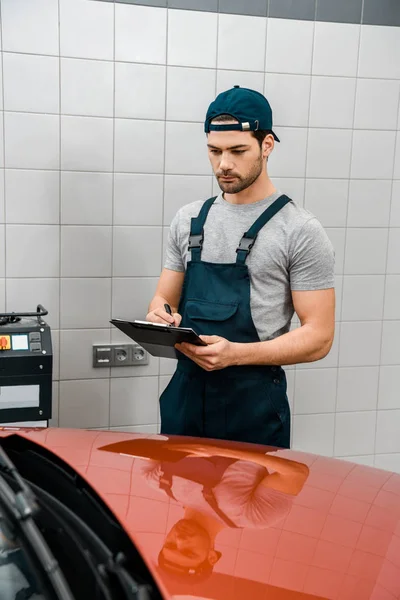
241, 183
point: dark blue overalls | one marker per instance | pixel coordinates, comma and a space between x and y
240, 403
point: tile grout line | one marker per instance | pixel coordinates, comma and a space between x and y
59, 206
112, 215
185, 66
345, 241
200, 122
265, 51
141, 173
396, 146
163, 232
305, 185
4, 164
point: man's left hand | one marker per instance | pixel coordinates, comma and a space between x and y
218, 354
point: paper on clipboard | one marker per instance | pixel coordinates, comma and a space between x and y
156, 338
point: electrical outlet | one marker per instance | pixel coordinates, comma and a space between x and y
119, 355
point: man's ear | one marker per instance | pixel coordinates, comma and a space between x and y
214, 557
268, 145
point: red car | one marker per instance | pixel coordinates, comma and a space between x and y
96, 515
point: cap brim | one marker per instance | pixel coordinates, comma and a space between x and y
275, 137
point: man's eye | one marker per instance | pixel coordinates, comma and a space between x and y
238, 151
214, 151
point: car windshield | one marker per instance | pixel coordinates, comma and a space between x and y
17, 577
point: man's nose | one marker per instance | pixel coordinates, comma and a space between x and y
182, 543
226, 163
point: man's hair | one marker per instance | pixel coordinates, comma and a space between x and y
260, 134
183, 574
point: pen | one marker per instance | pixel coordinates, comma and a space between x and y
168, 310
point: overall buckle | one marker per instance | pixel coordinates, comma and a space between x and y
246, 244
195, 241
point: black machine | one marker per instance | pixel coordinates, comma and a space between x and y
26, 367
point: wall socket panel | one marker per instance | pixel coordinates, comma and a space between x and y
119, 355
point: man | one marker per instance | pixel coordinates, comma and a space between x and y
219, 488
237, 268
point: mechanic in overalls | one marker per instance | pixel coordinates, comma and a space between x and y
237, 268
218, 487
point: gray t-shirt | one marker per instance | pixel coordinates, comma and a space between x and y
292, 252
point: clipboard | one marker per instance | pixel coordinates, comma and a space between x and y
156, 338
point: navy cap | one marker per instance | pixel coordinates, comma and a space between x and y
250, 108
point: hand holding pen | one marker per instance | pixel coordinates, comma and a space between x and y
164, 315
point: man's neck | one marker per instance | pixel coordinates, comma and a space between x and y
260, 189
209, 523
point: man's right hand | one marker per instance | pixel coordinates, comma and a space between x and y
159, 315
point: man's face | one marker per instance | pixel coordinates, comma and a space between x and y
187, 544
236, 159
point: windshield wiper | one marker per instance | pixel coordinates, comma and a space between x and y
20, 507
111, 567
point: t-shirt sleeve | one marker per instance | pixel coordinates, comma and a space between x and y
312, 259
248, 503
173, 258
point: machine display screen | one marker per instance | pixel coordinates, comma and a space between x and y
19, 342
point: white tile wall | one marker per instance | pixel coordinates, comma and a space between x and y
184, 159
327, 199
199, 86
355, 433
373, 154
32, 141
290, 95
131, 257
138, 199
138, 146
329, 152
86, 251
30, 27
31, 83
328, 59
369, 203
86, 198
377, 104
33, 251
192, 38
104, 142
249, 79
87, 87
332, 102
393, 262
140, 91
290, 155
78, 35
236, 32
86, 144
33, 197
395, 208
140, 34
357, 389
379, 47
365, 251
23, 293
289, 46
363, 297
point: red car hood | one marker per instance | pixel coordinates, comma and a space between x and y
338, 538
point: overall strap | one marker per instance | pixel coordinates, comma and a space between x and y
248, 239
209, 497
196, 236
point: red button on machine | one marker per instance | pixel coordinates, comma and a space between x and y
5, 343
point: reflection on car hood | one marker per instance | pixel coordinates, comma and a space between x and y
322, 529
